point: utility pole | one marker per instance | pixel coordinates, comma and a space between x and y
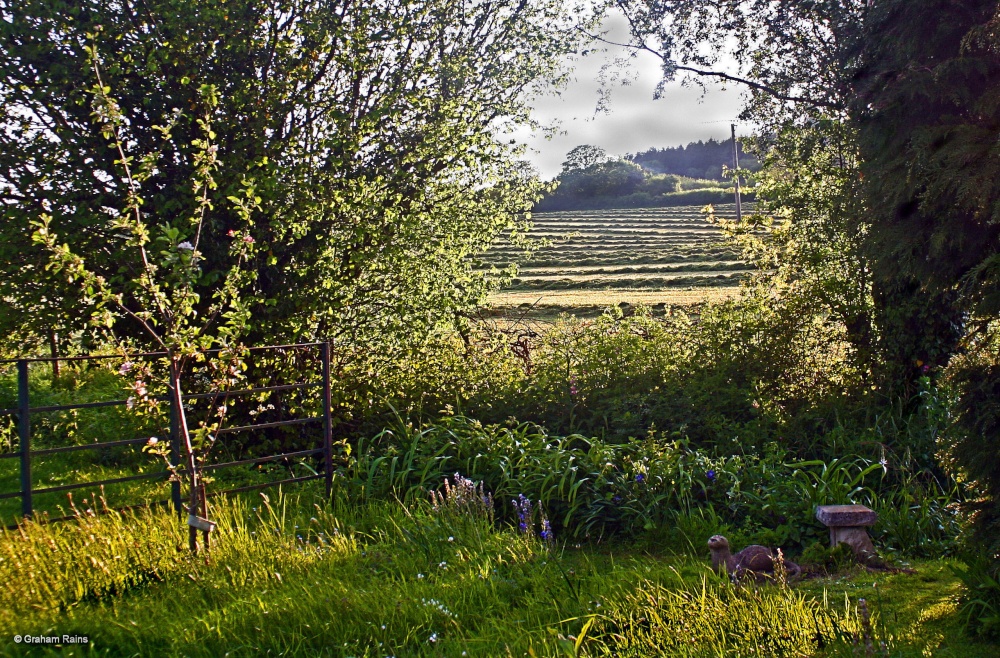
736, 166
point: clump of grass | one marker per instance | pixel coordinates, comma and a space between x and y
50, 568
715, 618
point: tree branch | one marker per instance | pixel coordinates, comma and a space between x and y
770, 91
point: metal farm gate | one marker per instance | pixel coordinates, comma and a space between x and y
23, 412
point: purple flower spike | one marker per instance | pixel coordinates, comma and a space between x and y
546, 533
522, 505
710, 475
640, 477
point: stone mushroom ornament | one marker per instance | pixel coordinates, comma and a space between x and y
757, 562
849, 525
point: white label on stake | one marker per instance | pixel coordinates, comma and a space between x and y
200, 523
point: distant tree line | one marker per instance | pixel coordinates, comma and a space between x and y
592, 180
696, 160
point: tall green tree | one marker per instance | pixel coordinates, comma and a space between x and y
372, 132
927, 104
602, 177
584, 156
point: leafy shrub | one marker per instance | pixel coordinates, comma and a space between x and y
588, 487
830, 559
919, 515
980, 607
654, 487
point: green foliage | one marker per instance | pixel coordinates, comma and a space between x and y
830, 559
642, 199
590, 488
934, 176
76, 385
920, 515
981, 601
739, 375
583, 157
592, 180
372, 136
587, 487
618, 183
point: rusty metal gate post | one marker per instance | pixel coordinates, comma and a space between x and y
24, 435
175, 450
327, 421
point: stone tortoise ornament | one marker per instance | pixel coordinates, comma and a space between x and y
757, 562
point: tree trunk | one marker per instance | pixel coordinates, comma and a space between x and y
197, 504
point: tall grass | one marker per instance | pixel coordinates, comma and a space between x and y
291, 575
709, 618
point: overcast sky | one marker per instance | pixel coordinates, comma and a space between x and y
634, 122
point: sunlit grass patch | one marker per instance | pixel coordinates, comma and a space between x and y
292, 575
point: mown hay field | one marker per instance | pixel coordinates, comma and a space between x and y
657, 257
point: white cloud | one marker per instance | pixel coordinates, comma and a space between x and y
634, 121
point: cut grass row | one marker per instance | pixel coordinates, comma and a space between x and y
722, 210
589, 302
659, 268
571, 254
729, 279
621, 228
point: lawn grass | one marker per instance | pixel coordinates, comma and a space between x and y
293, 575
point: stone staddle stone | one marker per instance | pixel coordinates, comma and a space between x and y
847, 525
